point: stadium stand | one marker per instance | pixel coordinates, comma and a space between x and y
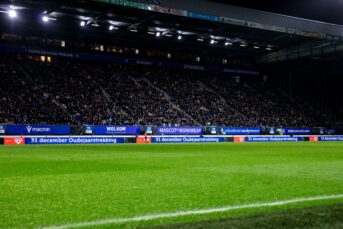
70, 91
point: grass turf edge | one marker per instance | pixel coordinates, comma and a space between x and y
327, 216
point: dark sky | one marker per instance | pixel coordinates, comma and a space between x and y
322, 10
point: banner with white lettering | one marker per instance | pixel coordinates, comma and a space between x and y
116, 130
186, 139
73, 140
179, 130
37, 130
240, 131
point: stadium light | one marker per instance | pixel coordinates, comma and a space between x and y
12, 13
269, 49
200, 39
256, 47
243, 45
158, 34
111, 27
45, 19
82, 23
212, 42
179, 37
228, 43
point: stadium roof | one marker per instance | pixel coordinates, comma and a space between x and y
329, 11
127, 22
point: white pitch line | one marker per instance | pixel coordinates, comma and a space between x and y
191, 212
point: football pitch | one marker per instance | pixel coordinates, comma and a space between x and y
263, 185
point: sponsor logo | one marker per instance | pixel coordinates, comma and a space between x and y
18, 140
239, 139
29, 128
180, 130
14, 141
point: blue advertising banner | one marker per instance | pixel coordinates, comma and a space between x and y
240, 131
74, 140
113, 130
187, 139
274, 139
331, 138
179, 130
37, 130
297, 131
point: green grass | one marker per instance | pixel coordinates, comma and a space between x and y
319, 217
56, 185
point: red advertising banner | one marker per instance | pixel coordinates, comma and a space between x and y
314, 138
143, 140
14, 141
239, 139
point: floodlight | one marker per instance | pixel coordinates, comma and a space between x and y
45, 18
12, 13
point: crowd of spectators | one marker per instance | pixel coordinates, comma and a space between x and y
74, 92
263, 105
202, 104
22, 101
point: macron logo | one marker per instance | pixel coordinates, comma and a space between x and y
29, 128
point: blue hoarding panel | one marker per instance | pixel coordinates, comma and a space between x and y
118, 130
74, 140
240, 131
179, 130
38, 130
297, 131
274, 139
331, 138
187, 139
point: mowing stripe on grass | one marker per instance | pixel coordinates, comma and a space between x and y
192, 212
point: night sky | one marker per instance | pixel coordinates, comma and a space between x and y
323, 10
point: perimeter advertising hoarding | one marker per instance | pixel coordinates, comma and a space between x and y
273, 139
14, 141
297, 131
37, 130
331, 138
112, 130
179, 130
240, 131
73, 140
186, 139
